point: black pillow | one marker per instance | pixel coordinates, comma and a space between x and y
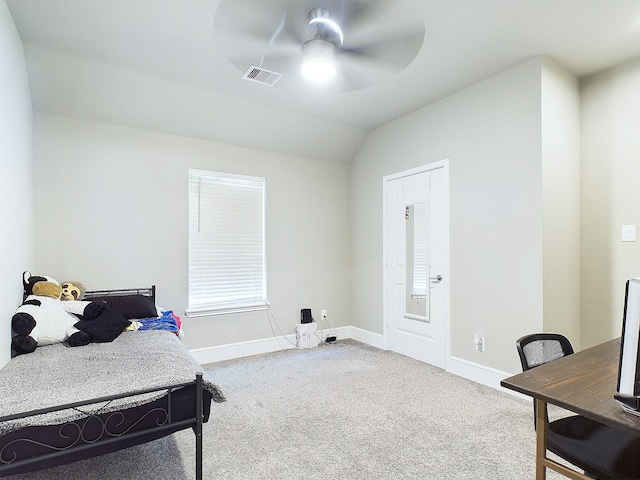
105, 327
131, 306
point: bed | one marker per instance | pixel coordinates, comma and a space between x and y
61, 404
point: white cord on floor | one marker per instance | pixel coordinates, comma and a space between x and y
321, 338
331, 327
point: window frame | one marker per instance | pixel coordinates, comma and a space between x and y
216, 307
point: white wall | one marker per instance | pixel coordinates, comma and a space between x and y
561, 201
491, 133
610, 113
15, 175
111, 211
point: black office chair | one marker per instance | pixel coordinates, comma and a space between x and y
603, 452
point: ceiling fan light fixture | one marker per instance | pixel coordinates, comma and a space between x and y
318, 61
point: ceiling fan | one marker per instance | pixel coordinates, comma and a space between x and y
339, 44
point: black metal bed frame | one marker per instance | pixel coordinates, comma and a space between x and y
147, 291
9, 463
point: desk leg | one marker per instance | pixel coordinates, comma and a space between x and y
541, 439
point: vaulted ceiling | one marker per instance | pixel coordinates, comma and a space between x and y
175, 65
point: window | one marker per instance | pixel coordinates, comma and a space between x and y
226, 243
420, 249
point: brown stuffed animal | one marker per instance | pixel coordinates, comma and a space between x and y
47, 288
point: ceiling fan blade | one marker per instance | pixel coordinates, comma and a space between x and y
248, 41
256, 50
383, 21
361, 71
398, 28
397, 51
376, 15
257, 32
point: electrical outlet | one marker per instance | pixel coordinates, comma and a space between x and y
323, 314
478, 341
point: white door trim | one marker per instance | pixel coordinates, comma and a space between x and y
444, 164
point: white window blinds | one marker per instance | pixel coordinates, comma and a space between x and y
420, 249
226, 243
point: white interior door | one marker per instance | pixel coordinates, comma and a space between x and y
416, 263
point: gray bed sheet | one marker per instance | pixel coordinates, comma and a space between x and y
58, 374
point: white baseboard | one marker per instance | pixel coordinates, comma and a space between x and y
365, 336
229, 351
479, 374
457, 366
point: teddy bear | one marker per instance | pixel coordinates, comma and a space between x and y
43, 319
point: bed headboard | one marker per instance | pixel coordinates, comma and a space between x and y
147, 292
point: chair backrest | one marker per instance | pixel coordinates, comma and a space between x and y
540, 348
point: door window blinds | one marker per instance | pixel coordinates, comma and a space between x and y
226, 243
420, 249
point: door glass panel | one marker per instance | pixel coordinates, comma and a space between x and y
417, 223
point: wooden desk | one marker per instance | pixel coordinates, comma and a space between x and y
584, 383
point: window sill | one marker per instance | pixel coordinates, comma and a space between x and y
228, 310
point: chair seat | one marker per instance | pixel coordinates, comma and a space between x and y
602, 451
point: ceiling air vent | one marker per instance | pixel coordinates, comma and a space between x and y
262, 75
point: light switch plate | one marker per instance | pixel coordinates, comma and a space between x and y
628, 233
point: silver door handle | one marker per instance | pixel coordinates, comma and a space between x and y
436, 279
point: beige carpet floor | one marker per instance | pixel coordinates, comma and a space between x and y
340, 411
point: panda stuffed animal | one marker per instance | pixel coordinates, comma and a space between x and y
43, 319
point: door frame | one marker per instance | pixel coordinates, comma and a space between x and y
444, 164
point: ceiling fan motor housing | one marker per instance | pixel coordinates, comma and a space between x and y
327, 28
